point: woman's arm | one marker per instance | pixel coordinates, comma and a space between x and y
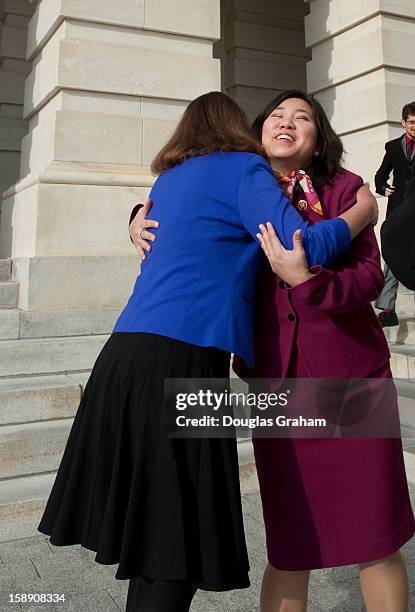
322, 245
351, 285
261, 200
354, 282
363, 200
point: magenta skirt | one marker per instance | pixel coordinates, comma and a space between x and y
331, 502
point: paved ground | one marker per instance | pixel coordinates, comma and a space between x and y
33, 565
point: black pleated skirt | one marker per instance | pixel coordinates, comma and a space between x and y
166, 508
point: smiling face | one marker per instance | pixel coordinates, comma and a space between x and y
409, 125
289, 135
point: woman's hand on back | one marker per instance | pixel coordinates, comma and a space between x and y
139, 233
290, 266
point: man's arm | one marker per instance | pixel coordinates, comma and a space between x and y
383, 174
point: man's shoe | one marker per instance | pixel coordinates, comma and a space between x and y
388, 319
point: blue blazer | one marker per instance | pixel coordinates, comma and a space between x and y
197, 284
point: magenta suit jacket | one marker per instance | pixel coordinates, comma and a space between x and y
329, 316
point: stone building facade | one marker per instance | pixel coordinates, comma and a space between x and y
89, 91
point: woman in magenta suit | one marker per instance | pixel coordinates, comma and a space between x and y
326, 502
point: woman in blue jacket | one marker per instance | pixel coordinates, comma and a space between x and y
168, 510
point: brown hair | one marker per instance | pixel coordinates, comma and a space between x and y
408, 109
212, 122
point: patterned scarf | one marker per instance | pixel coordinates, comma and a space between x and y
289, 183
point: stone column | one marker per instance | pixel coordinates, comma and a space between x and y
109, 82
263, 50
363, 72
14, 18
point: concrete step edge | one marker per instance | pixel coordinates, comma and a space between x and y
26, 488
12, 384
46, 355
32, 448
405, 387
19, 342
38, 486
35, 427
403, 349
38, 399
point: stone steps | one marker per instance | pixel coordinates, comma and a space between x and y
37, 401
405, 388
45, 361
41, 355
406, 393
22, 501
16, 323
35, 419
407, 419
40, 398
49, 355
402, 360
404, 333
405, 302
401, 338
32, 448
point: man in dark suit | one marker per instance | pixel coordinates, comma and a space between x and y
397, 235
399, 158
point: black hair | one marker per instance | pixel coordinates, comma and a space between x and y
329, 160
